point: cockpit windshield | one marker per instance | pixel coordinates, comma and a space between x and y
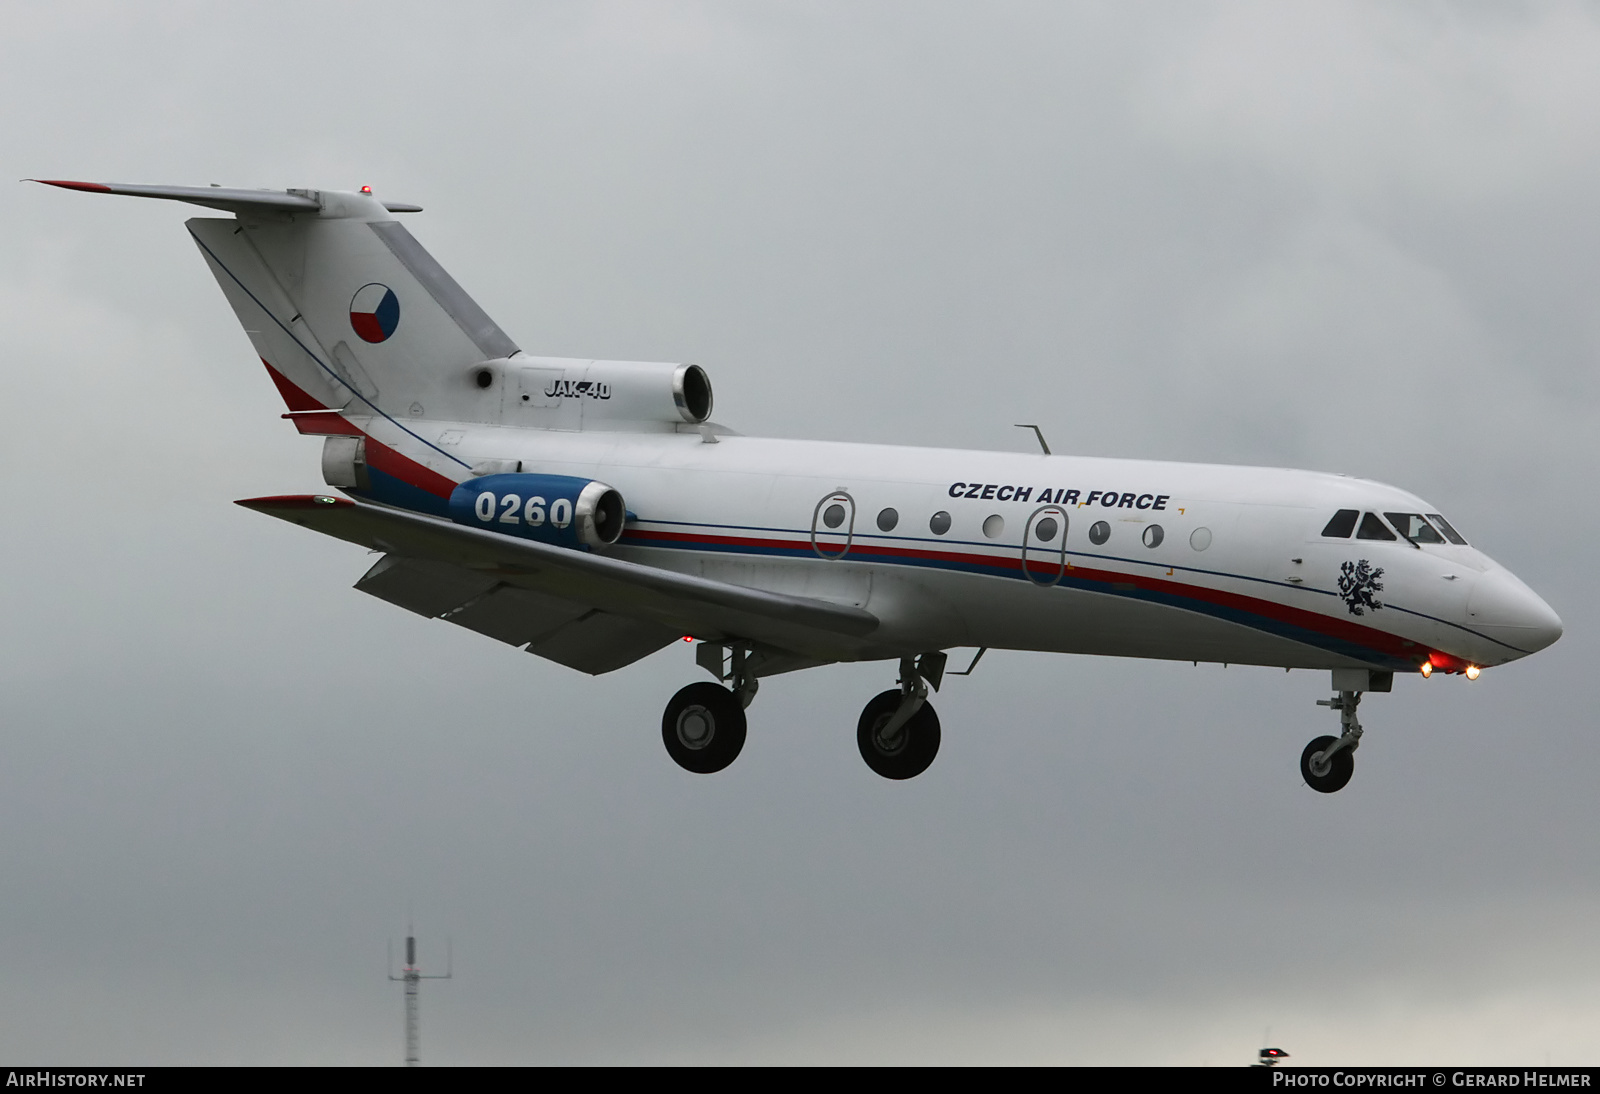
1342, 524
1414, 527
1444, 526
1372, 528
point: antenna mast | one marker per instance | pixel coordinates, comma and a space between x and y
411, 975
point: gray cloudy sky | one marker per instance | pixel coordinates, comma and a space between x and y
1351, 237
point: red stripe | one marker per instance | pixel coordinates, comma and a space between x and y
379, 455
383, 458
293, 396
1331, 626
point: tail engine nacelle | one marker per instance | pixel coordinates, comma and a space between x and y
557, 393
557, 509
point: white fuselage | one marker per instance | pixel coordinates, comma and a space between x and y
1238, 571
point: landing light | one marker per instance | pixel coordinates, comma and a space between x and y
1427, 669
1472, 672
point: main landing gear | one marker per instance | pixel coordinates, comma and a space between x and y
1328, 762
703, 726
898, 732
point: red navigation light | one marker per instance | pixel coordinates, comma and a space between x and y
366, 189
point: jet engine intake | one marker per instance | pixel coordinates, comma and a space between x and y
556, 509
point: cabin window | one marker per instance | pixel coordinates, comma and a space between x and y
1200, 538
994, 526
1414, 528
1444, 526
1099, 532
939, 523
1153, 535
1342, 524
1373, 528
833, 515
887, 519
1045, 529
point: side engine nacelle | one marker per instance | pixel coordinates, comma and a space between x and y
563, 393
557, 509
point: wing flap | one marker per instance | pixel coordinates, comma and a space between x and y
570, 634
601, 641
515, 616
427, 588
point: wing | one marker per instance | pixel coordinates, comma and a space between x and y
582, 610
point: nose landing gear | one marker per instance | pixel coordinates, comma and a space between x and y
1328, 762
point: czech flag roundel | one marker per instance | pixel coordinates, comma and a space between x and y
374, 312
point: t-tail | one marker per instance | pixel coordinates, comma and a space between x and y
355, 320
342, 304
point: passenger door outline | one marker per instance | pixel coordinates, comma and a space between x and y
822, 548
1048, 561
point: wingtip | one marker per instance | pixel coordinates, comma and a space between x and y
292, 501
69, 184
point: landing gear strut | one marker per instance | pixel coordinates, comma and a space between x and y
1328, 762
898, 733
704, 724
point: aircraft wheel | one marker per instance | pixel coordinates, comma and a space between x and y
1331, 774
908, 751
703, 728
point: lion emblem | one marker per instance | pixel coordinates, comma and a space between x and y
1358, 584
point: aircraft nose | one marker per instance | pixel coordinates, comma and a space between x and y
1506, 609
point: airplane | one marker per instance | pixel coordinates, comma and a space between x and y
591, 513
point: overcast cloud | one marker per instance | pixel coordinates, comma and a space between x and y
1351, 237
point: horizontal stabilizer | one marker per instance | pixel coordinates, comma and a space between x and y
217, 197
708, 609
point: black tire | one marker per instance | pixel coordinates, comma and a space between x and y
703, 728
912, 748
1340, 767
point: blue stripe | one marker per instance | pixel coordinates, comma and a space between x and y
801, 552
389, 490
1002, 568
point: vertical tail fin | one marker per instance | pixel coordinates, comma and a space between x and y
343, 305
